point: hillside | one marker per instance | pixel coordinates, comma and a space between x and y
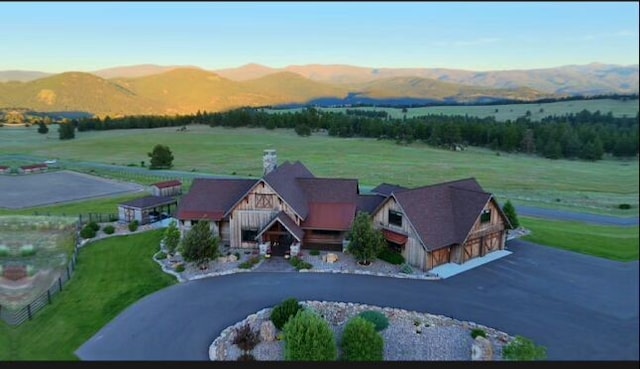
132, 71
291, 88
21, 75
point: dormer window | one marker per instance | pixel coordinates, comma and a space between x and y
485, 216
395, 218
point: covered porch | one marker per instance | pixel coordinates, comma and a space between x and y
279, 235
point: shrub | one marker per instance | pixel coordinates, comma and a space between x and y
161, 255
108, 229
522, 349
283, 311
314, 252
246, 357
390, 256
406, 269
93, 225
299, 263
308, 337
361, 342
133, 226
478, 332
180, 268
246, 338
249, 263
87, 232
237, 255
624, 206
378, 319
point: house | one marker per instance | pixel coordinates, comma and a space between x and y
34, 168
431, 225
147, 209
167, 188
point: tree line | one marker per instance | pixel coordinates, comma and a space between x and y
584, 135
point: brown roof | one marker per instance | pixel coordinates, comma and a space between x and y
283, 181
211, 198
149, 202
369, 203
166, 184
331, 216
287, 222
385, 189
4, 167
443, 214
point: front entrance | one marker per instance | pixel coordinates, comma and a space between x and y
279, 242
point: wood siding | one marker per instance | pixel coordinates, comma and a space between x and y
485, 237
413, 252
166, 191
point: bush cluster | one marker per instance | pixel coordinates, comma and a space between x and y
180, 268
93, 225
314, 252
109, 229
87, 232
299, 263
284, 311
406, 269
478, 332
361, 342
378, 319
133, 226
249, 263
246, 338
523, 349
161, 255
390, 256
308, 337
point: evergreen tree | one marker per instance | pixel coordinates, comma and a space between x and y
365, 241
161, 157
199, 245
172, 237
67, 131
510, 211
42, 128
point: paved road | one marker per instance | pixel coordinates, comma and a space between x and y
580, 307
578, 217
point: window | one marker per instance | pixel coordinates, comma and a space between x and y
486, 216
249, 235
395, 218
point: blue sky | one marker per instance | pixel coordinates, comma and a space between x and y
58, 36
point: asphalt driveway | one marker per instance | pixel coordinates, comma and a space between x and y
579, 307
529, 211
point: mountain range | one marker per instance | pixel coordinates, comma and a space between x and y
154, 89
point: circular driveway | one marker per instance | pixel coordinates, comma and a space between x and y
579, 307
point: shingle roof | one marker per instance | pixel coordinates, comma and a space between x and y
332, 216
149, 202
34, 166
385, 189
289, 224
369, 203
443, 214
283, 181
211, 198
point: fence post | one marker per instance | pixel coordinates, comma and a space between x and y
59, 284
68, 273
49, 296
29, 311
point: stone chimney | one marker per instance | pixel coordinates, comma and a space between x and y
269, 161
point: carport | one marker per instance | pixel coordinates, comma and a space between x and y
147, 209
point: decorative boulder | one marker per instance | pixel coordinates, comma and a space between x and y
267, 331
332, 258
231, 258
222, 259
481, 349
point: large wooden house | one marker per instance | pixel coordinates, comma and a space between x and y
432, 225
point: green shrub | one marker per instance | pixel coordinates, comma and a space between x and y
109, 229
237, 255
523, 349
406, 269
378, 319
624, 206
475, 332
180, 268
314, 252
390, 256
161, 255
249, 263
361, 342
299, 263
308, 337
87, 232
93, 225
283, 311
133, 226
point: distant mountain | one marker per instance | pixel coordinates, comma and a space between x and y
181, 90
591, 79
134, 71
21, 75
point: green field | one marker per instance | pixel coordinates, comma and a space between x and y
111, 275
615, 243
596, 187
512, 112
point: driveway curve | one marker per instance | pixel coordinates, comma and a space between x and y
579, 307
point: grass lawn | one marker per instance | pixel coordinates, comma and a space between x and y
597, 187
615, 243
111, 275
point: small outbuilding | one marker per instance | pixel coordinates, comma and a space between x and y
5, 169
146, 210
34, 168
167, 188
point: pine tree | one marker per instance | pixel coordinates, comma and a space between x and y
161, 157
510, 211
366, 242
